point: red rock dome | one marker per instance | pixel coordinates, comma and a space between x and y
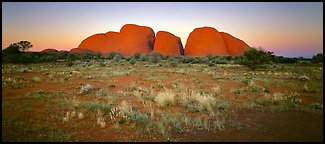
205, 41
95, 43
168, 44
136, 39
131, 39
50, 50
234, 45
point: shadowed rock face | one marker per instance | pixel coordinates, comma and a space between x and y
205, 41
82, 51
50, 50
168, 44
131, 39
234, 45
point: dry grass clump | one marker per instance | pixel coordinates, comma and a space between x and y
100, 119
217, 89
165, 98
196, 101
205, 102
87, 88
280, 101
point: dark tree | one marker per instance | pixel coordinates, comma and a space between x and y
256, 57
23, 45
317, 58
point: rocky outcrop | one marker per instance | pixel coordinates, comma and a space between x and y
141, 39
168, 44
131, 39
50, 50
205, 41
95, 43
234, 45
136, 39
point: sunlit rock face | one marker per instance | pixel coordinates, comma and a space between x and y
208, 41
234, 45
205, 41
130, 40
133, 39
95, 43
168, 44
50, 50
136, 39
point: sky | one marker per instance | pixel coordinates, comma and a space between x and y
293, 29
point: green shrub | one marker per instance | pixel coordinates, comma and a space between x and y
205, 60
69, 64
255, 88
155, 57
211, 64
246, 81
137, 55
132, 61
117, 58
128, 58
143, 57
256, 57
317, 58
173, 64
171, 58
266, 89
92, 106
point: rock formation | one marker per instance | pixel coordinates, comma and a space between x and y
168, 44
141, 39
234, 45
131, 39
136, 39
208, 41
50, 50
95, 43
205, 41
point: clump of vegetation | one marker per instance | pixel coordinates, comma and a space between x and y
165, 98
143, 57
280, 101
132, 61
69, 64
37, 94
117, 57
316, 106
211, 64
317, 58
92, 106
102, 93
173, 64
155, 57
256, 57
36, 79
266, 89
303, 78
195, 101
137, 55
255, 88
87, 88
111, 55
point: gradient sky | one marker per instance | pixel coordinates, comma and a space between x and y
287, 29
